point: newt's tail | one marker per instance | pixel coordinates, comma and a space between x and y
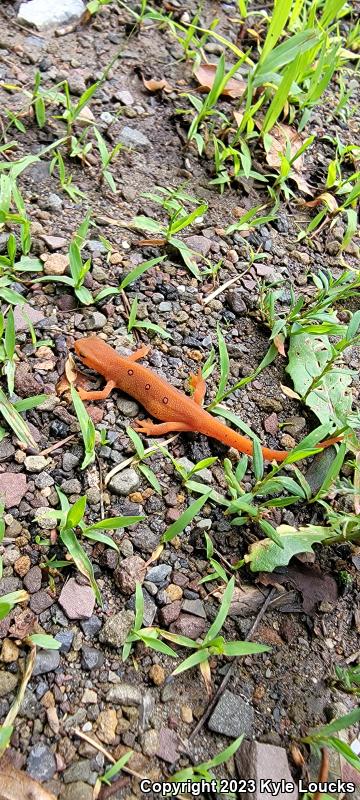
231, 438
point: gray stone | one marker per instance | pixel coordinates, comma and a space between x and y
143, 538
53, 202
91, 657
124, 695
40, 601
66, 639
29, 707
95, 246
127, 407
91, 626
41, 763
165, 307
43, 14
46, 661
77, 600
70, 461
117, 628
131, 137
149, 608
204, 475
200, 245
35, 463
125, 98
8, 683
79, 790
257, 761
107, 117
194, 607
159, 573
124, 482
7, 450
232, 716
80, 770
71, 486
188, 625
95, 322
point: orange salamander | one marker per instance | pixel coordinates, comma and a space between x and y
177, 411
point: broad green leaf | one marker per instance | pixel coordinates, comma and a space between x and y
308, 356
8, 601
266, 555
147, 224
45, 641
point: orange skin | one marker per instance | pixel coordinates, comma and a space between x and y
177, 411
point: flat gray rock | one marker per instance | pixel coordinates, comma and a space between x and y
232, 716
43, 14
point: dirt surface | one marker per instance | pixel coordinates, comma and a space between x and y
287, 690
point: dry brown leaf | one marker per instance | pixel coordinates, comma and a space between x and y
308, 579
289, 392
279, 344
68, 378
326, 199
16, 785
205, 74
280, 135
152, 85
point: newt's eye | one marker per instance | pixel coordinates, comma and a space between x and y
147, 386
130, 371
165, 400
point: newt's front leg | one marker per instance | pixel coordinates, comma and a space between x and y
141, 353
149, 429
102, 394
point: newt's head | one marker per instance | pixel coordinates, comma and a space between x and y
93, 352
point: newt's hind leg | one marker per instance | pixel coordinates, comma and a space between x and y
97, 395
141, 353
149, 429
197, 382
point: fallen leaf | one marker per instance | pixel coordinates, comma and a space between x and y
15, 784
205, 74
326, 199
152, 85
266, 555
69, 377
279, 137
268, 635
23, 624
308, 579
289, 392
70, 369
279, 344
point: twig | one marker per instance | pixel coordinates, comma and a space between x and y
225, 285
229, 673
57, 445
108, 791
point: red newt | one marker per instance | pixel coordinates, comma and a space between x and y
177, 411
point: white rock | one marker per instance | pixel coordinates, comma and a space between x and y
42, 14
